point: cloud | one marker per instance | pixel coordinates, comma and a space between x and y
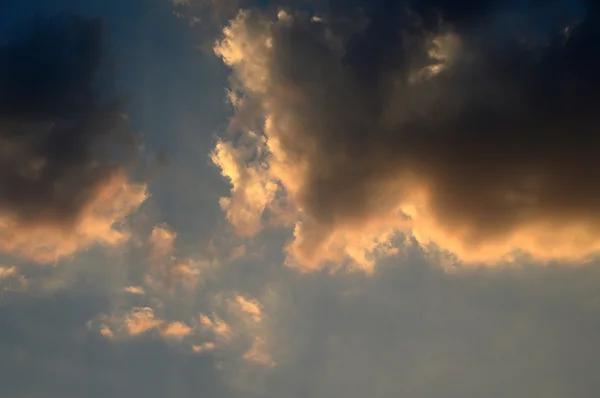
169, 270
11, 280
7, 272
99, 222
134, 290
200, 348
162, 240
410, 329
245, 333
257, 353
175, 330
250, 307
468, 133
139, 321
64, 144
215, 325
48, 351
251, 191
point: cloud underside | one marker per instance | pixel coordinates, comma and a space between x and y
481, 141
64, 143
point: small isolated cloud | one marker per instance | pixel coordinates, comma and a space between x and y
423, 122
250, 307
63, 189
134, 290
106, 332
202, 348
175, 330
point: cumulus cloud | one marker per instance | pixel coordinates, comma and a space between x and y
64, 144
175, 330
456, 127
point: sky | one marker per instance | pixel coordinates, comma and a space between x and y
299, 198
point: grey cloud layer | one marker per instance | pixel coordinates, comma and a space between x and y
408, 329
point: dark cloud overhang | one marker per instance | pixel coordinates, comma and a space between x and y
58, 119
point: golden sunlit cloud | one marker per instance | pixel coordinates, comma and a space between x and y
250, 307
175, 330
350, 161
134, 290
6, 272
141, 320
218, 327
100, 223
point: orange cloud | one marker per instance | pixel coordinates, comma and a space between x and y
200, 348
250, 307
252, 189
107, 332
134, 290
99, 223
138, 321
6, 272
141, 320
162, 240
217, 326
175, 330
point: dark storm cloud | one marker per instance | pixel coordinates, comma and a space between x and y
489, 109
56, 121
475, 130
